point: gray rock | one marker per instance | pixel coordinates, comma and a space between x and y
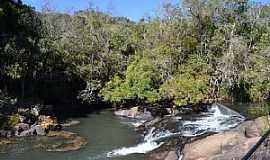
36, 110
251, 130
134, 113
38, 130
20, 127
70, 123
29, 132
5, 133
131, 113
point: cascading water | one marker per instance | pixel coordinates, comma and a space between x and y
149, 143
218, 118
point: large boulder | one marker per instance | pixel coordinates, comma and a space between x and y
20, 127
39, 130
233, 144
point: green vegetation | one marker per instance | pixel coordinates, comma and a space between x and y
186, 54
7, 122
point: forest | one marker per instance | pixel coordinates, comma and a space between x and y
189, 53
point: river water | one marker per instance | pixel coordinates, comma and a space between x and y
104, 133
113, 138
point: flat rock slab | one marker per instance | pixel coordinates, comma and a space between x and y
73, 142
233, 144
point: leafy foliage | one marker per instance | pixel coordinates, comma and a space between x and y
187, 54
140, 84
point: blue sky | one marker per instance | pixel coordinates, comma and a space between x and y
133, 9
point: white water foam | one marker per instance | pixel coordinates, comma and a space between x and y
140, 148
217, 119
149, 144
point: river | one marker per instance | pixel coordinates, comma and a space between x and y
113, 138
104, 133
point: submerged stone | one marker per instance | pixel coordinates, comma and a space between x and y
71, 142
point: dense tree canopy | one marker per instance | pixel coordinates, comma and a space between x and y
188, 53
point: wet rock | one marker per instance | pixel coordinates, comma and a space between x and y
38, 130
29, 132
20, 127
6, 133
70, 123
172, 111
170, 150
131, 113
72, 142
134, 113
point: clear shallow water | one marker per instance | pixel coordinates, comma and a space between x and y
103, 131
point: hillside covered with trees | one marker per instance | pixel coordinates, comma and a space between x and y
186, 54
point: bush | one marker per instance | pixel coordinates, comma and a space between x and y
185, 89
8, 122
140, 84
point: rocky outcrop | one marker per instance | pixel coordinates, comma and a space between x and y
20, 127
39, 130
29, 132
232, 144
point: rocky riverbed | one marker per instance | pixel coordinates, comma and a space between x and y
217, 134
138, 134
31, 122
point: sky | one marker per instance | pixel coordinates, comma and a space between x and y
132, 9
